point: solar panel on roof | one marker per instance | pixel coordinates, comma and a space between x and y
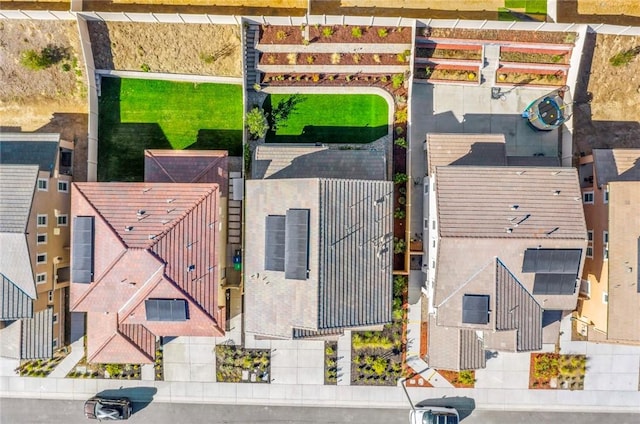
561, 261
475, 309
274, 245
550, 283
166, 309
296, 244
82, 250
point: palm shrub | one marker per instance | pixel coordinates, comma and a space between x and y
327, 32
382, 32
380, 365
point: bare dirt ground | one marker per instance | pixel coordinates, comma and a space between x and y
175, 48
607, 108
49, 100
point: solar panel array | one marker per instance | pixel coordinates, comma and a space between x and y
296, 257
166, 309
82, 249
475, 309
274, 243
556, 270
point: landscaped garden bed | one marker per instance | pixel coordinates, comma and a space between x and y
237, 365
514, 76
276, 34
158, 365
359, 34
555, 371
549, 37
330, 363
448, 73
377, 356
511, 54
438, 51
135, 115
41, 367
317, 59
83, 369
459, 379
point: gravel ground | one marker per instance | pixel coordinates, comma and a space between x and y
197, 49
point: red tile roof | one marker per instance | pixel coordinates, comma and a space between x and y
152, 240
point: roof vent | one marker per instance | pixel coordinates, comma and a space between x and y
555, 173
128, 228
514, 207
141, 212
171, 210
191, 268
509, 230
152, 236
146, 189
519, 172
170, 200
556, 193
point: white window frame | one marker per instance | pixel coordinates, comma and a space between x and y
41, 235
590, 236
41, 262
42, 275
55, 318
589, 249
605, 197
46, 220
66, 220
605, 298
50, 297
584, 195
54, 343
605, 237
45, 184
66, 186
588, 285
605, 245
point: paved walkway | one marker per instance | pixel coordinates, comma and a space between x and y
344, 359
69, 362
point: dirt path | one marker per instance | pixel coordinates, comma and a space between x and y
606, 114
175, 48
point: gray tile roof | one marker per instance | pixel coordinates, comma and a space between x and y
30, 148
308, 161
350, 256
452, 348
37, 335
516, 309
15, 262
14, 302
532, 161
491, 201
616, 165
465, 149
356, 248
17, 187
472, 355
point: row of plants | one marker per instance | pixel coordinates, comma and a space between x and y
368, 59
330, 362
510, 54
111, 371
437, 51
540, 37
448, 73
377, 356
395, 80
235, 364
41, 367
158, 364
555, 371
276, 34
460, 379
514, 76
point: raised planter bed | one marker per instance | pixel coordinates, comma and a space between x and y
449, 73
237, 365
111, 371
276, 34
384, 81
550, 37
308, 59
520, 55
330, 363
555, 371
41, 367
460, 379
359, 34
441, 51
537, 77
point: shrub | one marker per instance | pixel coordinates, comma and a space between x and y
327, 32
113, 369
400, 178
292, 58
281, 35
384, 78
466, 377
399, 245
257, 87
380, 365
347, 78
401, 142
624, 57
545, 366
66, 67
399, 131
399, 213
37, 61
376, 58
401, 116
404, 56
329, 351
145, 67
397, 80
399, 284
382, 32
305, 42
257, 123
207, 58
335, 58
315, 77
331, 77
400, 99
310, 59
356, 32
356, 58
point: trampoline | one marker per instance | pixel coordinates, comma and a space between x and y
549, 111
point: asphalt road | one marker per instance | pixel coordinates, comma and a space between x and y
24, 411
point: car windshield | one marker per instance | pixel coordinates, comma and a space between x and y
107, 412
439, 418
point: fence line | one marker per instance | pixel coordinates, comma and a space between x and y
92, 98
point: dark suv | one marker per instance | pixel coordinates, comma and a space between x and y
107, 409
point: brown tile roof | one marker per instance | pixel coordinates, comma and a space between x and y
171, 226
616, 165
465, 149
624, 260
490, 201
187, 166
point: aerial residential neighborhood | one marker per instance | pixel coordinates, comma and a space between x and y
412, 211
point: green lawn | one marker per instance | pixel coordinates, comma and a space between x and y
529, 6
135, 115
327, 118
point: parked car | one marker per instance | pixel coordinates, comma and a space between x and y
434, 415
98, 408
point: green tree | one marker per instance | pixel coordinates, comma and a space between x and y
48, 56
257, 123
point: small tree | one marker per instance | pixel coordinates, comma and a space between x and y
37, 61
401, 142
257, 123
400, 178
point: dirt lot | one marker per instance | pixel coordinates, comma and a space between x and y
606, 113
50, 100
175, 48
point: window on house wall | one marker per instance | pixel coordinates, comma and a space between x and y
55, 318
41, 278
41, 258
605, 236
590, 235
605, 297
63, 186
50, 298
589, 252
43, 184
63, 220
426, 224
54, 344
587, 197
42, 238
42, 220
605, 198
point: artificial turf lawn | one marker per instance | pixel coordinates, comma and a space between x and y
135, 115
529, 6
329, 118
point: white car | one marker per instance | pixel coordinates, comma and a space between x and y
434, 415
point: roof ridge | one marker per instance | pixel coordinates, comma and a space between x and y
471, 278
148, 285
133, 343
517, 281
102, 346
152, 156
104, 219
206, 169
16, 286
95, 283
